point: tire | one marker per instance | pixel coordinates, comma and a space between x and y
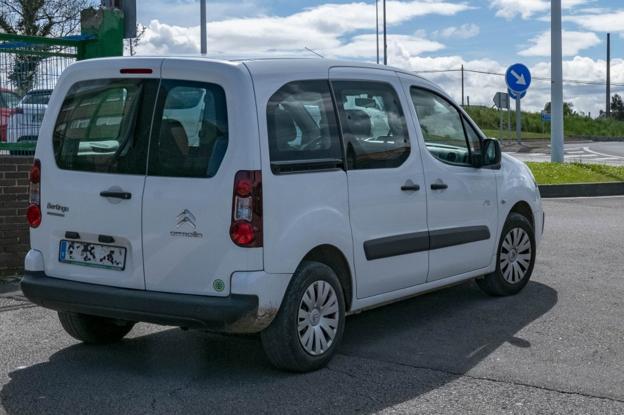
288, 347
512, 270
92, 329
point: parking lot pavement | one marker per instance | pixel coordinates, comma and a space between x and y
555, 348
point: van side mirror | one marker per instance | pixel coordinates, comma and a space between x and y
492, 153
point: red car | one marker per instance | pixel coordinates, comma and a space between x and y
8, 101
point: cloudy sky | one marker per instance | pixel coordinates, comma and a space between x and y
424, 35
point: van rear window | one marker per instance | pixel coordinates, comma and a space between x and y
103, 126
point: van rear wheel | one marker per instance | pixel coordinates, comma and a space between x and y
92, 329
309, 326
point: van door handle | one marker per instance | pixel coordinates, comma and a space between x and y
410, 187
116, 195
439, 186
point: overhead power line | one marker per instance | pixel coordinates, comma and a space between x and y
569, 81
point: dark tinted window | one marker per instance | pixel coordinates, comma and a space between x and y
442, 127
190, 134
302, 125
8, 99
37, 97
103, 126
373, 124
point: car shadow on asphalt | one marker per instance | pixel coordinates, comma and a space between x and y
389, 355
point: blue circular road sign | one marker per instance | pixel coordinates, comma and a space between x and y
518, 78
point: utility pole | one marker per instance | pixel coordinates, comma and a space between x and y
377, 27
462, 75
556, 89
608, 110
203, 34
385, 34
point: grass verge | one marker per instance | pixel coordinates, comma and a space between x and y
569, 173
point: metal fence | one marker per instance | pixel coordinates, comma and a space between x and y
29, 70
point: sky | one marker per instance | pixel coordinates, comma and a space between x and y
423, 35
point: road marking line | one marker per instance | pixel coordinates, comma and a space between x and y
601, 154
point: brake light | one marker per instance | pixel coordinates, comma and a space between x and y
135, 71
246, 226
33, 213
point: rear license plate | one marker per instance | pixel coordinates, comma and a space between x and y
92, 255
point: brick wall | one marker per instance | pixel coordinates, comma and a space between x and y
14, 230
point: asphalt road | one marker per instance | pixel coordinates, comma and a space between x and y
584, 152
555, 348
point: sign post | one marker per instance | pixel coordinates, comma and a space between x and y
501, 101
518, 78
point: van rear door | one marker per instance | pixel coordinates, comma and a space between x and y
205, 130
93, 152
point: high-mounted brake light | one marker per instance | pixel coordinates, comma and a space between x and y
135, 71
33, 213
246, 226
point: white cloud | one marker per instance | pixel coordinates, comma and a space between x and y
320, 28
509, 9
573, 43
608, 21
465, 31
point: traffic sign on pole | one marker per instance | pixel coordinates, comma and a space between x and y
518, 78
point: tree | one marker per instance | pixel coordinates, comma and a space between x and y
37, 18
617, 107
568, 109
134, 42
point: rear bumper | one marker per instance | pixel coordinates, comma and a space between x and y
193, 311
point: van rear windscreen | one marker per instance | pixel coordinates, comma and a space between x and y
104, 126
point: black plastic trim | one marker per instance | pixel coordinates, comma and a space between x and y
444, 238
167, 309
303, 166
423, 241
396, 245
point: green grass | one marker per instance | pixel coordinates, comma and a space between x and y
575, 125
568, 173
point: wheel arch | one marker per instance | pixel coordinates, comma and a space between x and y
524, 209
335, 259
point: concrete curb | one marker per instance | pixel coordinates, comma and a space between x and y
582, 190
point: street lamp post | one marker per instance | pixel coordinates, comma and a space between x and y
556, 90
202, 30
385, 34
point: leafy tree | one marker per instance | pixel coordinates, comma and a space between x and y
37, 18
568, 109
617, 107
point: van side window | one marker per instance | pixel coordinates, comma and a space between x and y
103, 126
443, 129
190, 132
373, 124
302, 128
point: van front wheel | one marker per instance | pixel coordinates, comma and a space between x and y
309, 326
92, 329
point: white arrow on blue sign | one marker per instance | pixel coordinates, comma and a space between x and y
518, 78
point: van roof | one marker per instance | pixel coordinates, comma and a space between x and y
277, 63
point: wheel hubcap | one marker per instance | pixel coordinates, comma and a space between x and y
318, 318
515, 255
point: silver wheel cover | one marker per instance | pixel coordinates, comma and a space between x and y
515, 255
317, 320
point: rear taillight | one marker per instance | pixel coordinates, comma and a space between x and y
33, 213
246, 227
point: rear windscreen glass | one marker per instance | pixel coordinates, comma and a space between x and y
104, 125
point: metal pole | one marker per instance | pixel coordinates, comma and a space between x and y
556, 59
608, 111
518, 120
462, 75
377, 27
204, 40
500, 114
385, 34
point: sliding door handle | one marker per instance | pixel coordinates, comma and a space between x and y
116, 195
439, 186
410, 188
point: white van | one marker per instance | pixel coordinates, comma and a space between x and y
264, 196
